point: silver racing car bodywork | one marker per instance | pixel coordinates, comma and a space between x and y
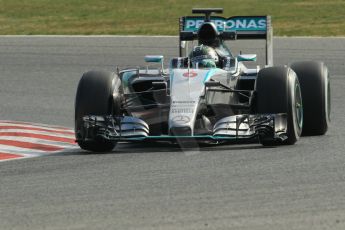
190, 92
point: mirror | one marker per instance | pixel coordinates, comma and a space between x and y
154, 58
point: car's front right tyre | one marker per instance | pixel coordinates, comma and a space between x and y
94, 96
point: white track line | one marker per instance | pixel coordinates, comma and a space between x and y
21, 151
35, 125
72, 137
38, 141
18, 158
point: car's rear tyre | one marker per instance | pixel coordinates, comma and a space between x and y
278, 91
315, 86
97, 94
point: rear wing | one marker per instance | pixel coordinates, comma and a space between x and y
245, 27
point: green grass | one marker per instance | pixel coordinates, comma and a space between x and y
160, 17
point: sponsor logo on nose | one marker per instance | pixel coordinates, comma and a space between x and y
190, 74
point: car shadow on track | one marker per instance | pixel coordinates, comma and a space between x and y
190, 148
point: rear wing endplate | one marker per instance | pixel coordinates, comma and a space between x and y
246, 27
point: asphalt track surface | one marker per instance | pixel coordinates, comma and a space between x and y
162, 186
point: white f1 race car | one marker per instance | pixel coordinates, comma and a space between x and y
207, 94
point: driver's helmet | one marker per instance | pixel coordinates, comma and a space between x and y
204, 56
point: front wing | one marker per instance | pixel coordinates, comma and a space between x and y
237, 127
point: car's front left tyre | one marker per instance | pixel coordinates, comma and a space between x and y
278, 91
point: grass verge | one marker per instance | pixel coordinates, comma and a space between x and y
160, 17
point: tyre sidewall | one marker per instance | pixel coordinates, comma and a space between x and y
294, 128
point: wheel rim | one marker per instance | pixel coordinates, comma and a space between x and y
298, 105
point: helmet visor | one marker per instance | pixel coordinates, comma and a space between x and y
205, 63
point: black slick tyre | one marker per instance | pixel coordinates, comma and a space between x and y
316, 96
95, 96
278, 91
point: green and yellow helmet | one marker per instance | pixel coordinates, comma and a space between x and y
204, 57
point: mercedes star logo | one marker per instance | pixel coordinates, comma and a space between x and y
181, 119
